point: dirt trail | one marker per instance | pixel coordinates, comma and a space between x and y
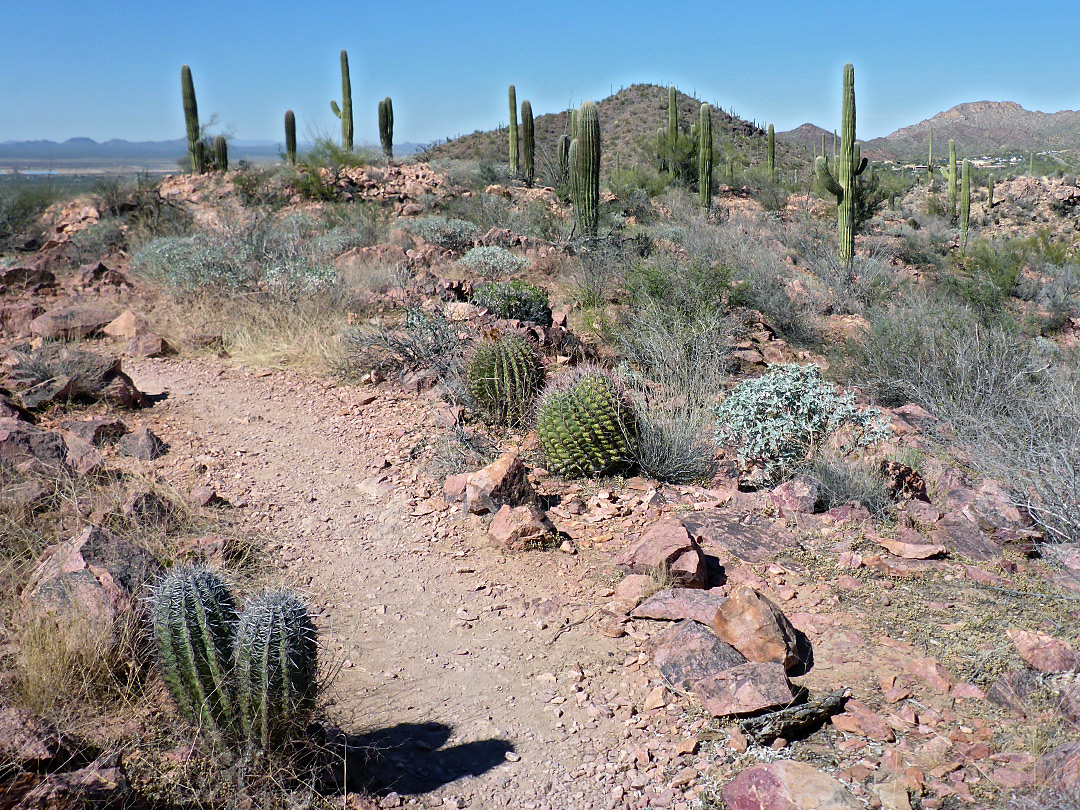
457, 661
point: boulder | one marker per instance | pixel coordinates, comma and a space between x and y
1059, 770
144, 507
520, 527
666, 544
31, 743
758, 629
1044, 653
689, 652
10, 409
800, 494
143, 444
97, 431
745, 689
148, 345
631, 590
960, 536
505, 481
15, 318
25, 279
787, 785
748, 538
71, 322
127, 325
676, 604
30, 449
82, 456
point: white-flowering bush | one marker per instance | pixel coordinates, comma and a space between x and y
776, 421
493, 262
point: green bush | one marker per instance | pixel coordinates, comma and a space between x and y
189, 263
515, 300
841, 482
457, 235
21, 203
775, 422
491, 262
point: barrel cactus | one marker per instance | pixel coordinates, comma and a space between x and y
276, 668
194, 619
585, 425
504, 376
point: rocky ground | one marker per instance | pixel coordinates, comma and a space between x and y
501, 638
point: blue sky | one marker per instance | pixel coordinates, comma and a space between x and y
111, 69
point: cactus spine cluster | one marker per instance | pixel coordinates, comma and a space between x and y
344, 112
528, 144
504, 376
386, 127
990, 192
586, 428
965, 203
194, 619
290, 137
850, 165
952, 179
221, 153
191, 120
513, 132
585, 168
705, 155
771, 161
276, 675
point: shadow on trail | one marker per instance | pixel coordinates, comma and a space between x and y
409, 758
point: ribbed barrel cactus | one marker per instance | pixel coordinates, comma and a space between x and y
840, 180
194, 619
504, 377
276, 668
586, 426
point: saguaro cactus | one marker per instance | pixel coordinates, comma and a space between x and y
194, 620
564, 159
344, 112
952, 179
221, 153
586, 185
705, 155
990, 192
850, 165
930, 161
965, 203
276, 667
672, 117
386, 127
513, 132
771, 160
290, 137
528, 142
191, 117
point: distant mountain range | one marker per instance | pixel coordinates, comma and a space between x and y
978, 127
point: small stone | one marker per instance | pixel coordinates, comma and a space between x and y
143, 444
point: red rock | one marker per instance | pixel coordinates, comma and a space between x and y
666, 544
800, 494
1059, 770
143, 444
757, 628
520, 527
96, 431
681, 603
960, 536
689, 652
15, 319
912, 551
504, 481
29, 742
786, 785
71, 322
846, 582
737, 741
859, 719
1044, 653
148, 345
28, 448
921, 513
25, 279
745, 689
631, 591
127, 325
82, 457
102, 784
931, 672
749, 538
967, 690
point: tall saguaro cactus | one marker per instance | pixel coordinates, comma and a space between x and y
705, 155
841, 180
191, 118
990, 192
952, 179
930, 162
513, 132
344, 112
965, 204
290, 137
771, 160
564, 159
386, 127
221, 153
528, 143
672, 117
585, 160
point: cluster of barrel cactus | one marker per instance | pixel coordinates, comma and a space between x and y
586, 426
840, 180
504, 377
247, 678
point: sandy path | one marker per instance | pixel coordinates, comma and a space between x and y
445, 643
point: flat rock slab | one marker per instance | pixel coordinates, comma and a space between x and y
666, 544
746, 537
1044, 653
690, 652
960, 536
71, 323
787, 785
675, 604
745, 689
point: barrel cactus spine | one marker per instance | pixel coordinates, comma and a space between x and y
290, 137
705, 156
840, 181
513, 132
587, 184
952, 179
276, 668
194, 619
965, 203
771, 160
191, 117
585, 425
386, 127
344, 112
504, 376
528, 144
221, 153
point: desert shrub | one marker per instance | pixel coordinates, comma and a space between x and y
841, 481
423, 340
770, 194
626, 183
99, 239
326, 152
457, 235
987, 275
492, 263
599, 270
515, 300
188, 263
853, 288
776, 421
21, 203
